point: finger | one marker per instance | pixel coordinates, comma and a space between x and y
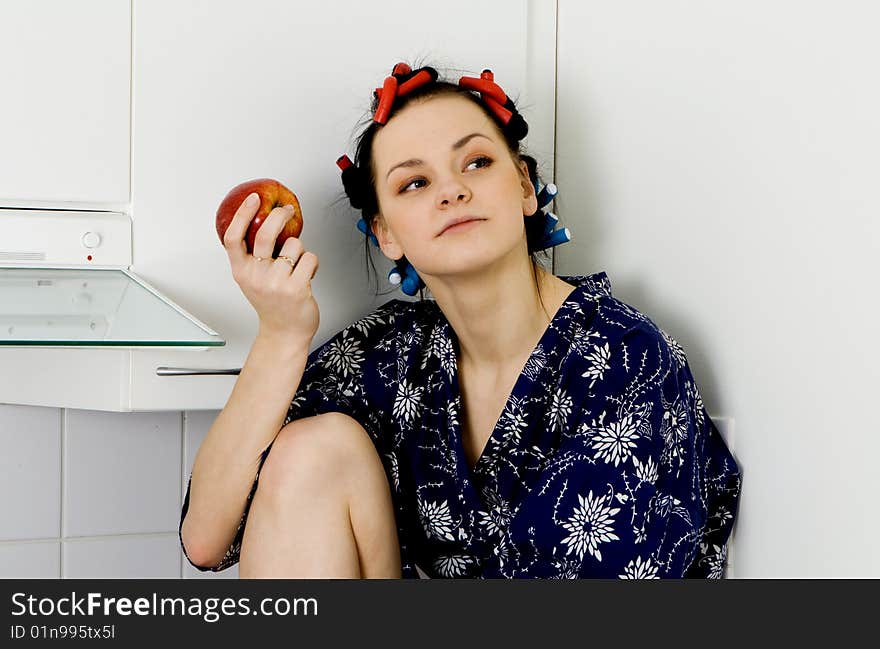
233, 239
292, 248
306, 267
264, 242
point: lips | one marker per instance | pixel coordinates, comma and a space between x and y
463, 219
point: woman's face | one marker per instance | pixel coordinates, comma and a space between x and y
447, 173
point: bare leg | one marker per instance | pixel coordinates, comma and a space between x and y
322, 508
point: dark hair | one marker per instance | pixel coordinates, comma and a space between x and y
360, 187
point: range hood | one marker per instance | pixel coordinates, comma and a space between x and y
65, 281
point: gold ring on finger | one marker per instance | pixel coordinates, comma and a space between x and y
288, 260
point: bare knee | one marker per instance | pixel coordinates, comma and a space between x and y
315, 452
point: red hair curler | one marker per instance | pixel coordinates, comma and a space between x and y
500, 111
392, 89
485, 86
418, 80
401, 69
386, 98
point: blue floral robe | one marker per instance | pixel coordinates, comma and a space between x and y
603, 464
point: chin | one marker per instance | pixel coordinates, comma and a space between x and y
466, 260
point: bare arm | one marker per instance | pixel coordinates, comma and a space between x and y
226, 464
227, 461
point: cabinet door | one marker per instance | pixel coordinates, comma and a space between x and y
65, 70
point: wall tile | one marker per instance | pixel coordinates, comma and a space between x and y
33, 560
30, 472
122, 472
196, 426
133, 557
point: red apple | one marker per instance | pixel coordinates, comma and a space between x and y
272, 194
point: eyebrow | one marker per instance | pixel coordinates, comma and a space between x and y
415, 162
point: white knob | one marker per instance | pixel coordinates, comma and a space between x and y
91, 239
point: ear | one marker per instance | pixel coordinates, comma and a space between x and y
389, 246
530, 199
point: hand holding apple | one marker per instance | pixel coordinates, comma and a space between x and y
279, 289
272, 194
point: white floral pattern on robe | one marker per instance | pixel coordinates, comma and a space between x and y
603, 463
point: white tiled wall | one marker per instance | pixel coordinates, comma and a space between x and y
96, 494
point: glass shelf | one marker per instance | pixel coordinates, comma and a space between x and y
92, 307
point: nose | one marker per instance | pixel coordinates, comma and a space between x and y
453, 191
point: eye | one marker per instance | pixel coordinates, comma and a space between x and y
416, 180
481, 158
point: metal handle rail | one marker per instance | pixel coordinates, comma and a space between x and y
190, 371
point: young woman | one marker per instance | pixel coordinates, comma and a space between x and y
519, 424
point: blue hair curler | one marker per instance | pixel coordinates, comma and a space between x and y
362, 226
555, 238
546, 195
409, 283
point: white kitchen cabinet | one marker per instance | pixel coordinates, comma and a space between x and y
228, 91
65, 78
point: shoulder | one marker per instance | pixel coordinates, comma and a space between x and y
636, 328
392, 326
394, 317
617, 327
378, 322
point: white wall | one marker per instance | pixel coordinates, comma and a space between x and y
720, 162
